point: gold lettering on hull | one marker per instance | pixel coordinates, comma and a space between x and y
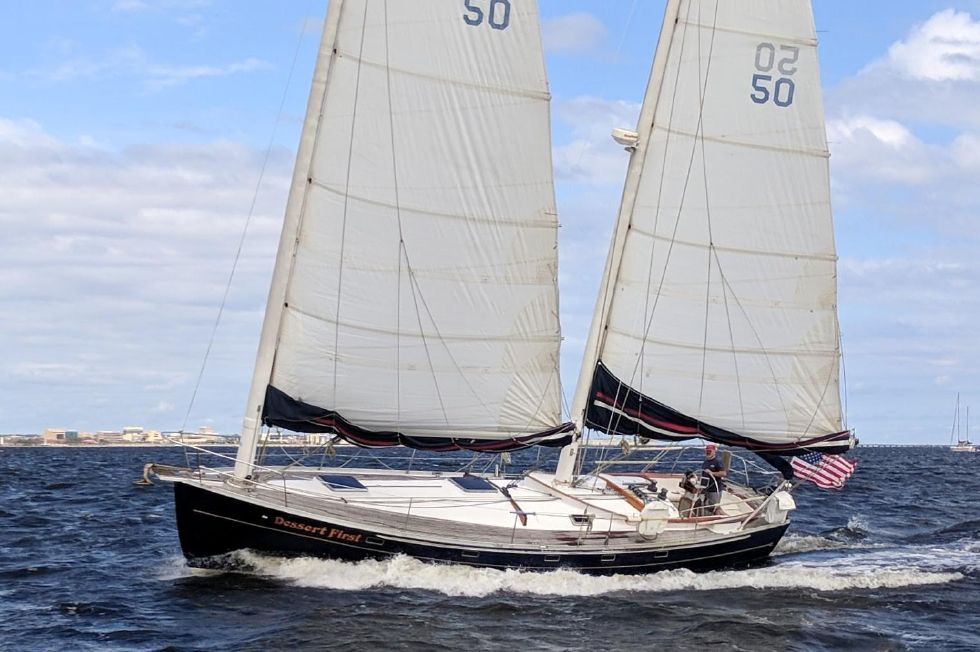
325, 532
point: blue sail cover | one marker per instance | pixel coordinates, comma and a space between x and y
616, 408
283, 411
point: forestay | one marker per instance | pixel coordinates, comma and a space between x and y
421, 305
720, 318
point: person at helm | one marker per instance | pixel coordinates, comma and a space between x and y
713, 473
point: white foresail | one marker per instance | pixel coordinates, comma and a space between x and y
723, 306
422, 293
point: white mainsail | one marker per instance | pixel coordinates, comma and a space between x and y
417, 272
719, 301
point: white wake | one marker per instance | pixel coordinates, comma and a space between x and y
866, 572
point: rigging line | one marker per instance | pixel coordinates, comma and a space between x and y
758, 339
731, 338
843, 365
703, 93
726, 286
398, 335
248, 221
402, 247
343, 223
416, 297
610, 291
956, 416
417, 294
673, 238
566, 409
563, 410
544, 395
619, 48
816, 408
647, 316
830, 377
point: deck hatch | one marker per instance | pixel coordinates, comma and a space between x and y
342, 482
582, 519
472, 483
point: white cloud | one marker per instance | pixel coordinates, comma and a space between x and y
908, 319
966, 151
311, 25
158, 5
183, 12
879, 166
933, 74
577, 32
905, 135
944, 48
130, 5
160, 76
886, 150
164, 406
25, 134
113, 266
888, 132
591, 156
132, 61
590, 169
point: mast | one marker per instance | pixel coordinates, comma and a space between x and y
287, 244
569, 454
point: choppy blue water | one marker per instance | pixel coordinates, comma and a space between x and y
88, 561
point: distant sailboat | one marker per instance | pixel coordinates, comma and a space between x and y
960, 445
414, 300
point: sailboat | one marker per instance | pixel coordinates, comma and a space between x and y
414, 300
961, 445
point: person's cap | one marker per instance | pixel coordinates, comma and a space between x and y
710, 446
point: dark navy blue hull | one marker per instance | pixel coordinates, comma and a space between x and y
212, 524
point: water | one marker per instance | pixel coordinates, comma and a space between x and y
88, 561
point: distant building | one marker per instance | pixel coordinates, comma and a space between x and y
54, 436
109, 437
133, 433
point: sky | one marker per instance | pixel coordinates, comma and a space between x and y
134, 133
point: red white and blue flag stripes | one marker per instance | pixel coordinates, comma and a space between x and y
825, 471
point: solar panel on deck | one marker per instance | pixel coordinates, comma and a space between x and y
473, 483
342, 482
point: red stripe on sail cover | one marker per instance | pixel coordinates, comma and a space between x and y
825, 471
666, 425
369, 440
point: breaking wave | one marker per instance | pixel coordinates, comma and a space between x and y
796, 543
856, 530
176, 568
407, 573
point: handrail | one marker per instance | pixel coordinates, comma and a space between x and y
597, 512
764, 503
392, 502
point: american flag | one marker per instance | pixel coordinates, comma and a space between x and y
825, 471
